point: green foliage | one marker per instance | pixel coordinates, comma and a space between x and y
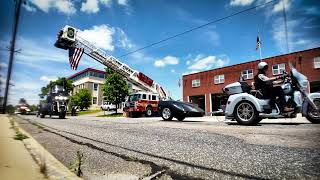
23, 101
10, 109
115, 88
33, 107
61, 81
89, 111
20, 136
82, 99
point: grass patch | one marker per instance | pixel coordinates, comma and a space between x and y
112, 115
20, 136
90, 111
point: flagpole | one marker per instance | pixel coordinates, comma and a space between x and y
260, 51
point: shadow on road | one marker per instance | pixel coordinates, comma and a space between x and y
263, 124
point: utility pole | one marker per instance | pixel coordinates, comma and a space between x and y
12, 51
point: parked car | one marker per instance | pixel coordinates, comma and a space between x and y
107, 106
178, 110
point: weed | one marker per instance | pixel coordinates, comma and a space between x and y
76, 163
20, 136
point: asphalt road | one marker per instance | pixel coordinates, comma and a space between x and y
197, 148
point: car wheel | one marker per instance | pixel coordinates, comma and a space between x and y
180, 118
166, 114
108, 109
149, 111
246, 113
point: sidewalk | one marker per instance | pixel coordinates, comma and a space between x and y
22, 159
15, 161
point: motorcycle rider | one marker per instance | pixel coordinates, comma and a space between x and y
271, 87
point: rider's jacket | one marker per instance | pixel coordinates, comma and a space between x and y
262, 83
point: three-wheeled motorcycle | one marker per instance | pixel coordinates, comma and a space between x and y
249, 107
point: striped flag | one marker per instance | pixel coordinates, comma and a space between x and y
258, 43
75, 56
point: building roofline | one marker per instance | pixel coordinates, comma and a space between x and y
86, 70
252, 61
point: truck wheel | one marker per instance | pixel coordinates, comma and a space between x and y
246, 114
180, 118
312, 115
149, 111
62, 115
42, 115
166, 114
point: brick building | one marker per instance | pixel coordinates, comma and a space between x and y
205, 88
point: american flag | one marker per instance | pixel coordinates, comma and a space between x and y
75, 56
258, 43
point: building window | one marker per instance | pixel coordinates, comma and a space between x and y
95, 86
196, 83
218, 79
94, 100
278, 69
316, 62
247, 74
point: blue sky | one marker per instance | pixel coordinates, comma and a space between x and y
120, 26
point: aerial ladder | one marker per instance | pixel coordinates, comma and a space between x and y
69, 38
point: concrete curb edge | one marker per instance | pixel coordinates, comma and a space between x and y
54, 168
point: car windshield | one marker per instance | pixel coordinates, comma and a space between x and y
134, 97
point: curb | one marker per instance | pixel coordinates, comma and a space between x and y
54, 168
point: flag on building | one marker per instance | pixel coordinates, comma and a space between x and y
75, 56
258, 43
179, 82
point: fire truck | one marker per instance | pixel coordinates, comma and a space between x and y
144, 101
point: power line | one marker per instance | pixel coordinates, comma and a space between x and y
198, 27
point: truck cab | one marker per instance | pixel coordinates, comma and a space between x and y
141, 103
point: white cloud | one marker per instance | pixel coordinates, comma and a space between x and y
279, 35
123, 40
123, 2
100, 36
47, 79
63, 6
188, 62
38, 51
90, 6
3, 65
189, 72
241, 2
173, 71
209, 62
105, 2
29, 8
168, 60
279, 6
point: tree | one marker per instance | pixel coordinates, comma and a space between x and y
115, 88
81, 99
23, 101
61, 81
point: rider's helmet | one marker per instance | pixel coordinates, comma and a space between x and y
262, 66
